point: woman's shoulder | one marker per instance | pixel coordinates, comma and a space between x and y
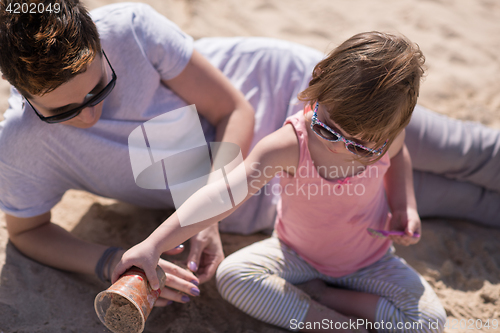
120, 10
123, 22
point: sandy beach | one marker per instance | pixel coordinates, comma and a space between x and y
460, 259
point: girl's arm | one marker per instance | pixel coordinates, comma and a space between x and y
226, 108
400, 193
277, 152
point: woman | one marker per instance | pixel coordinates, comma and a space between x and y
149, 67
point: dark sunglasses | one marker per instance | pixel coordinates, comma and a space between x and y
98, 98
323, 131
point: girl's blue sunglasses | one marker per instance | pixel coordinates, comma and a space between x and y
323, 131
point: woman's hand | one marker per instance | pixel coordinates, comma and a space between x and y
409, 221
206, 253
179, 283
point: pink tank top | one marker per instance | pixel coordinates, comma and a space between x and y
325, 221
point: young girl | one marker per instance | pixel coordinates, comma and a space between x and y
344, 168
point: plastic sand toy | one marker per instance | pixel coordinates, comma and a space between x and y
125, 306
385, 233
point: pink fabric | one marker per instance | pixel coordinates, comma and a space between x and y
325, 221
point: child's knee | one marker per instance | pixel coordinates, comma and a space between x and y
412, 317
234, 277
435, 320
432, 311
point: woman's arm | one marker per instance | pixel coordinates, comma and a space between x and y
48, 243
400, 193
277, 152
217, 100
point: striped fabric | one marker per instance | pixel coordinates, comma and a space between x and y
259, 280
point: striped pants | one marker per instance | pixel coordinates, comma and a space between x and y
259, 280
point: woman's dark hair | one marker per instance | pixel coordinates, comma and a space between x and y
40, 51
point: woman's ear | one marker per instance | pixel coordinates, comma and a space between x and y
318, 71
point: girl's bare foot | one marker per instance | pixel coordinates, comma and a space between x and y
314, 288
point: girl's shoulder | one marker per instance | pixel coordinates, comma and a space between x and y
279, 149
291, 147
283, 141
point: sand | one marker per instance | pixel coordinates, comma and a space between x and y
122, 316
461, 260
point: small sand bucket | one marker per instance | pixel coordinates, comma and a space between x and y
125, 306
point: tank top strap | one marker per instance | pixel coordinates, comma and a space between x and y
298, 122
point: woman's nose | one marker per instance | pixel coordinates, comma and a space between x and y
87, 115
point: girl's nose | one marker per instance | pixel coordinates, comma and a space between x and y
338, 145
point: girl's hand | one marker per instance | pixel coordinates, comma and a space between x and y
206, 253
178, 282
409, 221
143, 256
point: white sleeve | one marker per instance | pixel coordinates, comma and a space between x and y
125, 26
23, 197
167, 47
26, 189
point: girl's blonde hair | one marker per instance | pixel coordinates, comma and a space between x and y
369, 84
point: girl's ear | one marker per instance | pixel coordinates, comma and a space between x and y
307, 108
318, 71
